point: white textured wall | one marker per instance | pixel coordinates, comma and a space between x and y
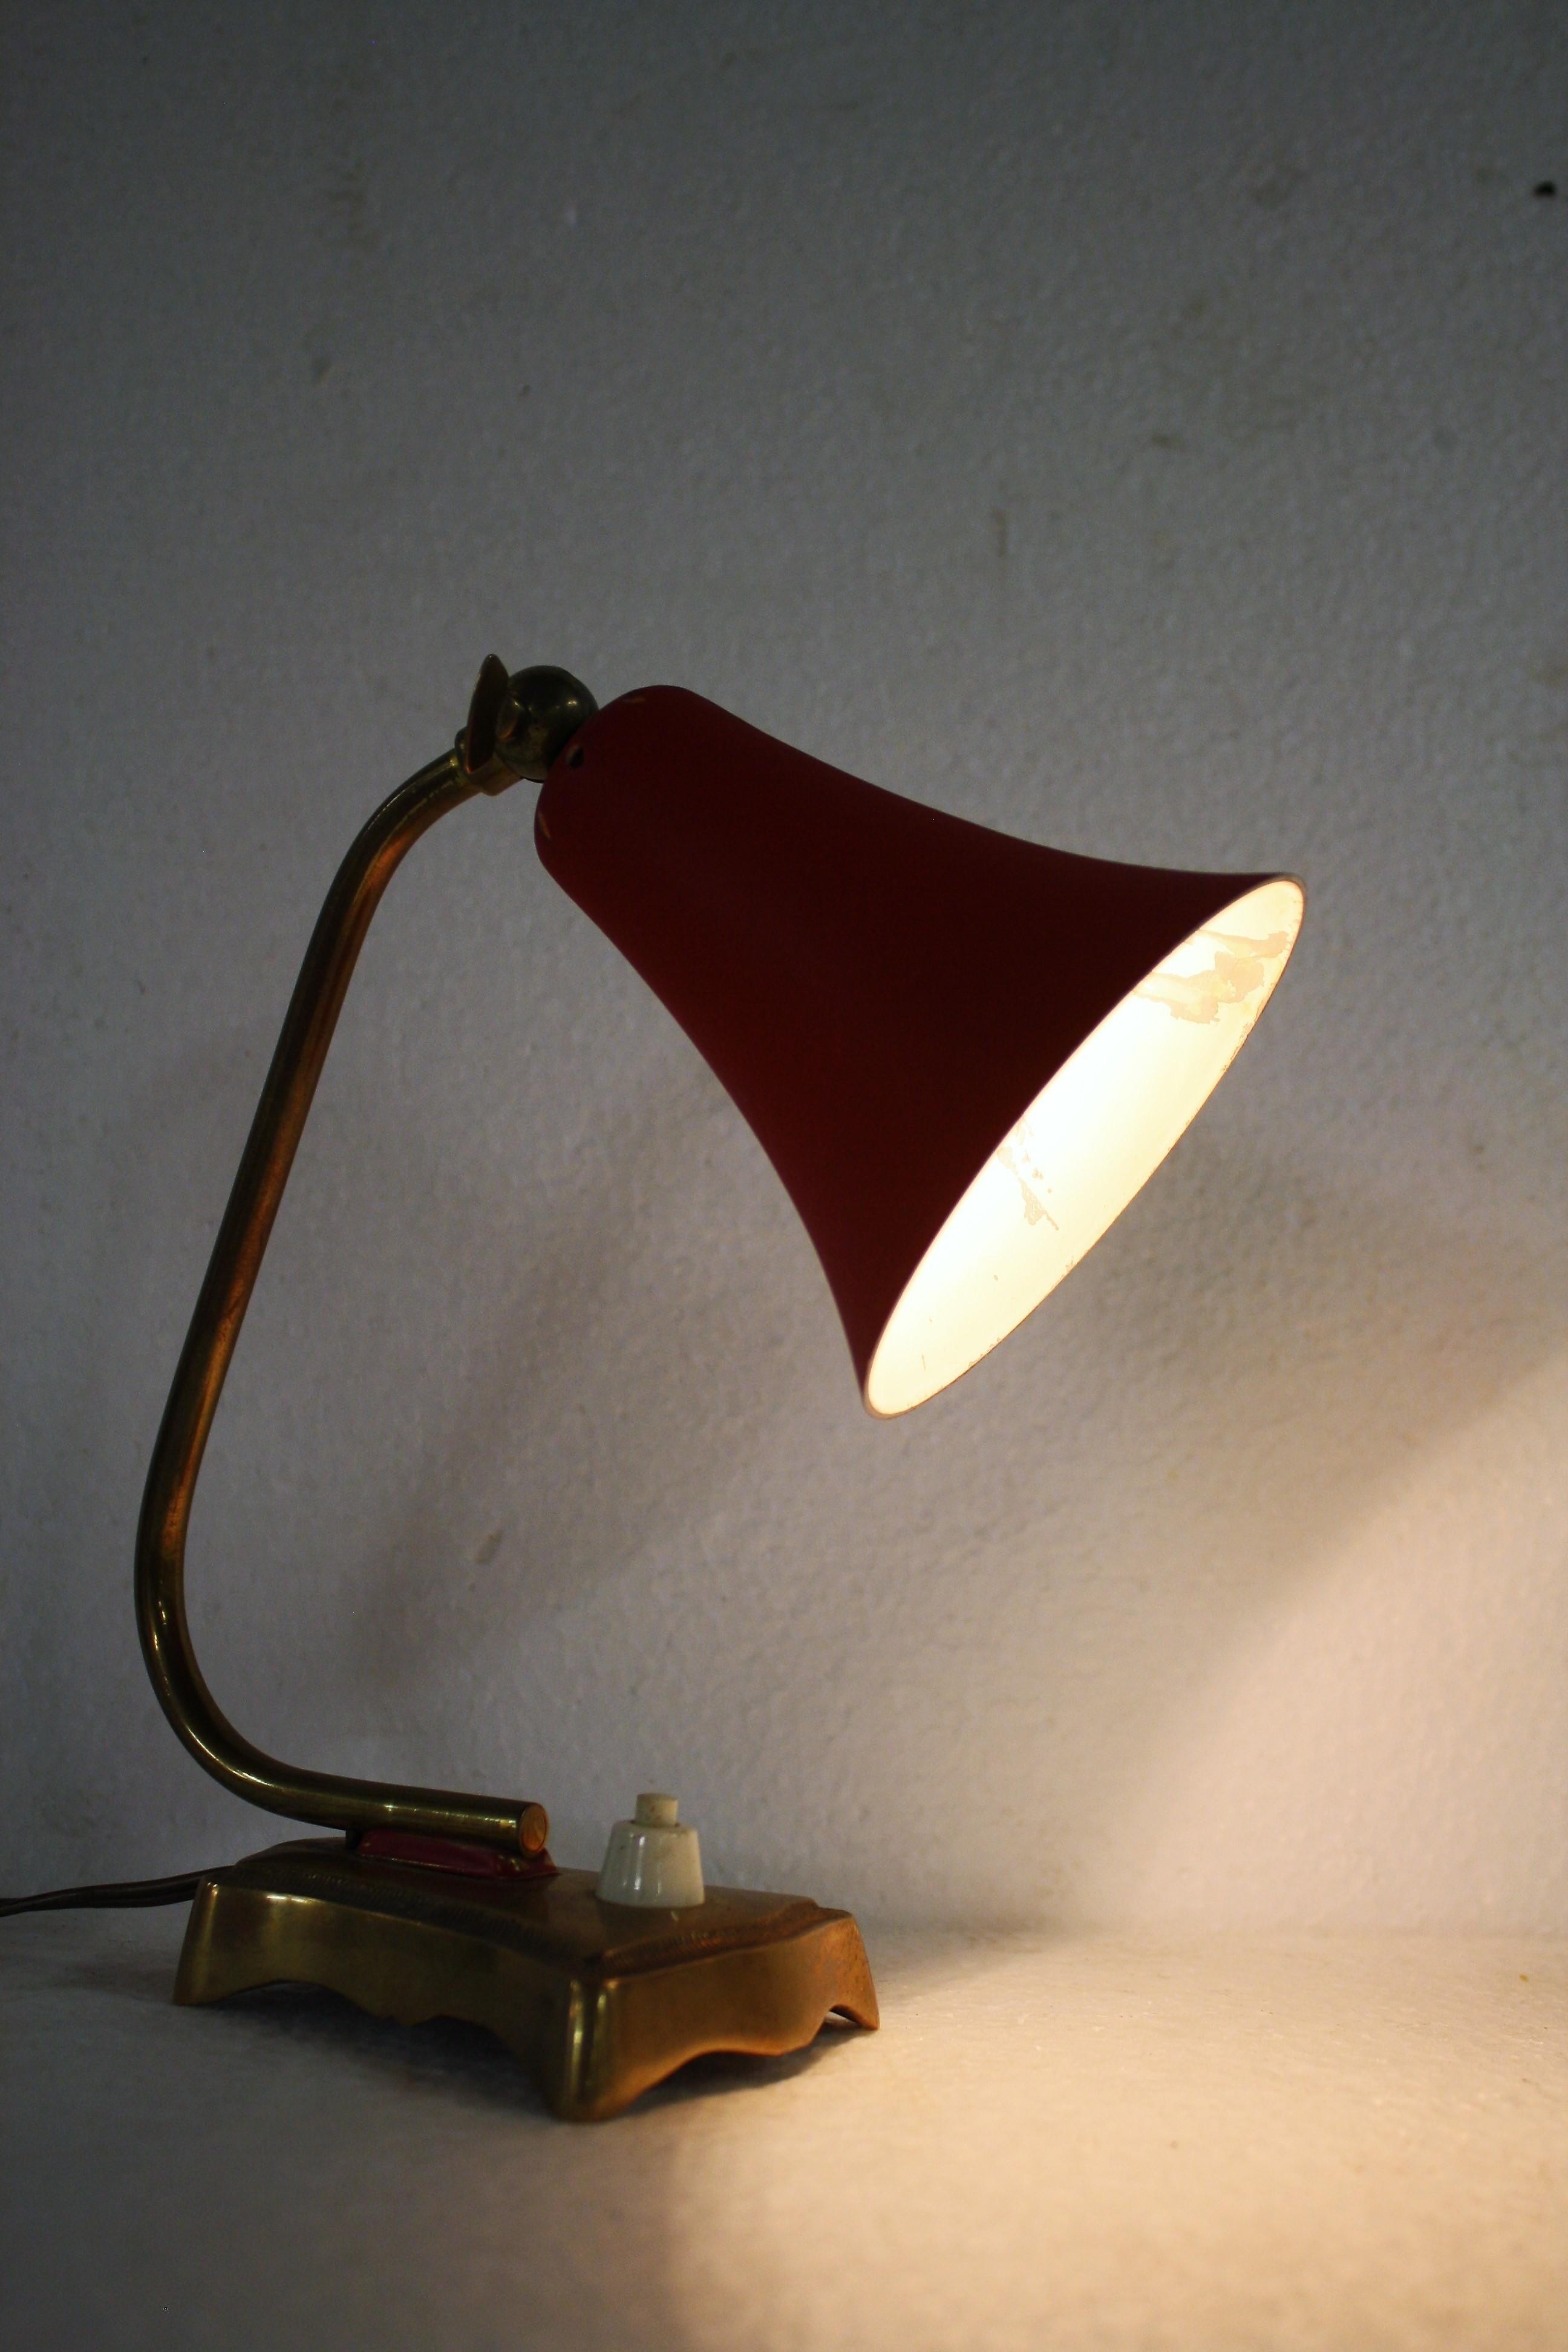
1138, 427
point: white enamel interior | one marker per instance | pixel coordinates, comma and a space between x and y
1085, 1145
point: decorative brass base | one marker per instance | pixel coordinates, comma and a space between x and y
601, 2002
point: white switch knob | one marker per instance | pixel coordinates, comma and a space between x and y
653, 1860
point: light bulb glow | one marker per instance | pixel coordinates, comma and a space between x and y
1087, 1142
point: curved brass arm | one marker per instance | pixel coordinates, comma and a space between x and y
320, 1797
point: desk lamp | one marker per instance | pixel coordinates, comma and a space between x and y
962, 1053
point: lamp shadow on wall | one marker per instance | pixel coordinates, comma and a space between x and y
553, 1375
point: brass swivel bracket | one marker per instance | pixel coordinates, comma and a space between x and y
517, 725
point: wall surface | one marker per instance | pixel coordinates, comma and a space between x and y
1140, 429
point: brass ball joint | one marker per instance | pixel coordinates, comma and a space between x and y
517, 725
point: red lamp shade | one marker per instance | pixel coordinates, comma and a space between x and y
962, 1053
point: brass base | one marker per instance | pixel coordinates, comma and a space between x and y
600, 2002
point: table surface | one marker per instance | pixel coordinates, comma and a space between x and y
1214, 2141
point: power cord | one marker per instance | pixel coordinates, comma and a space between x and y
129, 1895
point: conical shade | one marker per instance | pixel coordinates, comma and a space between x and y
962, 1053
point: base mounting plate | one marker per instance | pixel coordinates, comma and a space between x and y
600, 2000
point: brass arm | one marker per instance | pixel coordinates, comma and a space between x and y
503, 749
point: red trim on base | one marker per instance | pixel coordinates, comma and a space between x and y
465, 1857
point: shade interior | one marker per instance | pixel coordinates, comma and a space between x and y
1093, 1135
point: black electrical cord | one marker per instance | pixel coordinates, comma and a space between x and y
129, 1895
